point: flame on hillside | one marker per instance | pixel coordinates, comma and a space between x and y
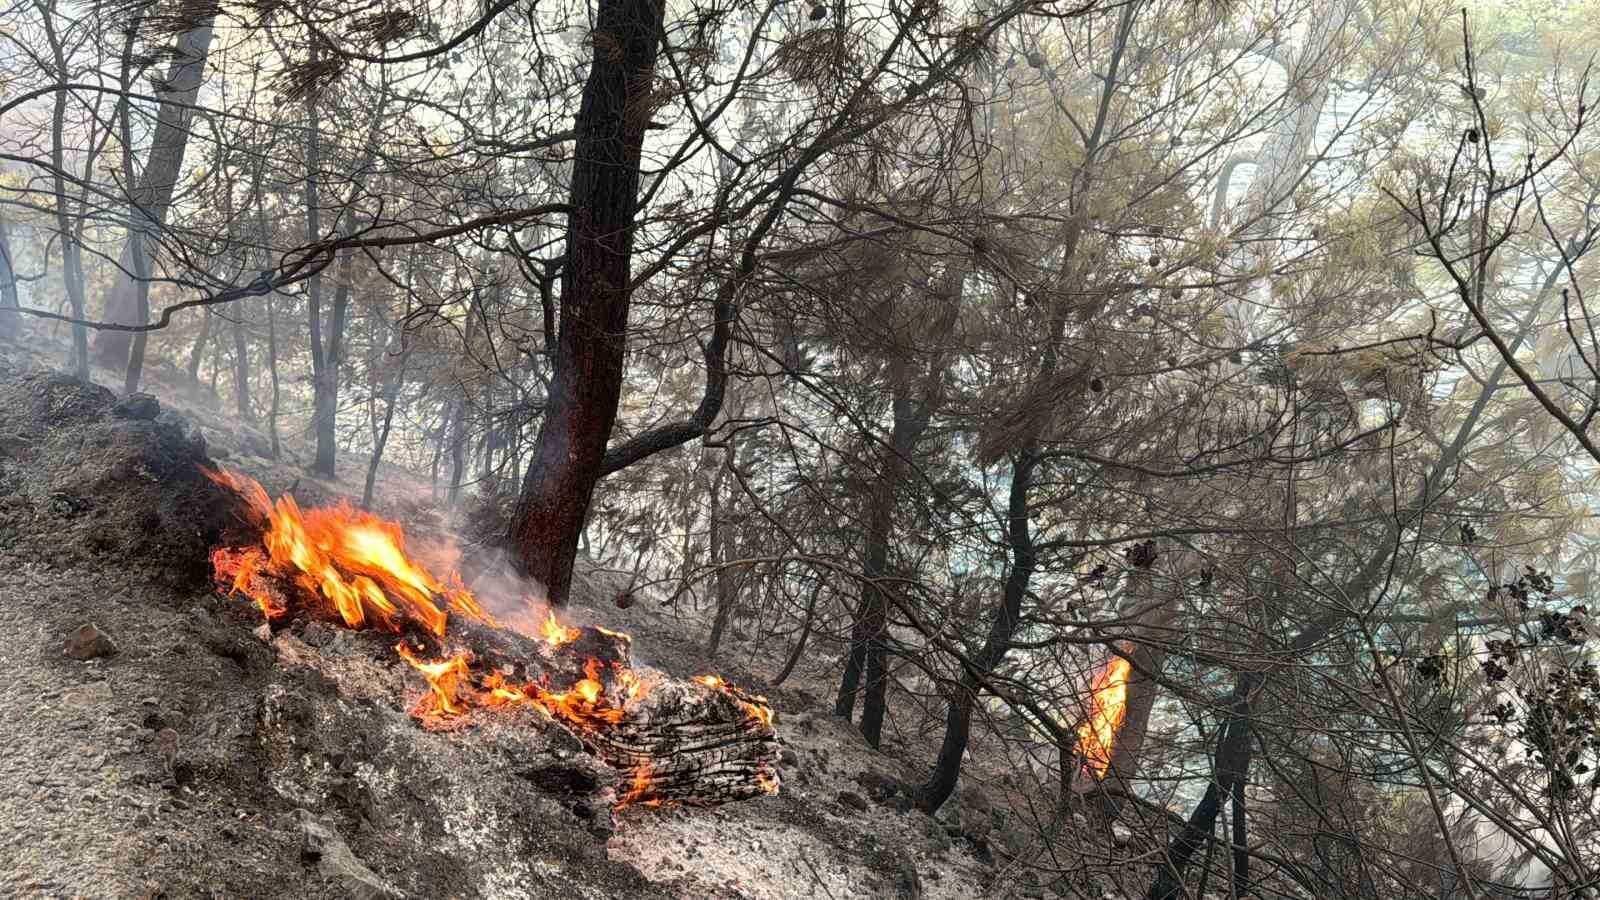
1108, 706
351, 567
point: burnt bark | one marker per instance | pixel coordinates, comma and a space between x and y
152, 197
587, 383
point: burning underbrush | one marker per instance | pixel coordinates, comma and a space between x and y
702, 742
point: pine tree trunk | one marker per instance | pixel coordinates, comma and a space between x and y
587, 382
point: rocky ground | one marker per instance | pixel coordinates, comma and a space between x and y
160, 744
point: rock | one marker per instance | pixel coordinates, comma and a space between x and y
322, 846
853, 800
137, 406
789, 759
89, 642
1120, 835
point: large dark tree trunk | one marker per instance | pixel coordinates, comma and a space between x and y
587, 381
958, 720
153, 195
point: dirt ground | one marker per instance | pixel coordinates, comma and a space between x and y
203, 758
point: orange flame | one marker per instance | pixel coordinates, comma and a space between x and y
358, 566
353, 567
1109, 706
756, 706
638, 787
555, 634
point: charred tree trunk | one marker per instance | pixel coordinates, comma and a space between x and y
958, 720
587, 382
153, 195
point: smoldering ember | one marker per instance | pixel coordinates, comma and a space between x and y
923, 449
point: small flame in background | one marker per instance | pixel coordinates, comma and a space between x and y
356, 563
1108, 707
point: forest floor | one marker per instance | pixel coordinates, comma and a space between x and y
205, 758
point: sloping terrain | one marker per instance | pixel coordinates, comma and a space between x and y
173, 748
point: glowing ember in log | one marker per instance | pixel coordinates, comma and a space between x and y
1108, 707
351, 567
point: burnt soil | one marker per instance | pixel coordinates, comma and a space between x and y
206, 757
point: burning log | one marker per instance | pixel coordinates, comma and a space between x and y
703, 742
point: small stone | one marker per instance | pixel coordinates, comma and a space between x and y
1120, 835
88, 642
323, 846
141, 820
789, 759
853, 800
137, 406
264, 632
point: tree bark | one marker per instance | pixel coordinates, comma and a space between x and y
587, 382
152, 198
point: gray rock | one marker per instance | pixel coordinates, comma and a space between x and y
853, 800
137, 406
323, 846
88, 642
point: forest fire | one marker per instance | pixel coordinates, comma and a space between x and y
350, 567
1108, 707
